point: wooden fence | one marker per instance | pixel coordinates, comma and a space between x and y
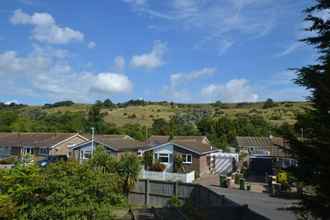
157, 193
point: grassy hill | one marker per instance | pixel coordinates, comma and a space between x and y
144, 114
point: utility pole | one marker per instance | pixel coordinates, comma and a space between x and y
93, 129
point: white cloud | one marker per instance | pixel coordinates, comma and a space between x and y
301, 33
176, 89
12, 102
292, 48
45, 73
45, 28
151, 60
91, 45
222, 22
235, 90
119, 63
179, 78
112, 83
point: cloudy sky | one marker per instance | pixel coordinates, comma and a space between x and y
175, 50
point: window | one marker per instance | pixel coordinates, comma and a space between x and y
27, 150
163, 158
43, 151
87, 154
187, 158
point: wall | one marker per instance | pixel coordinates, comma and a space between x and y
166, 149
204, 165
194, 166
63, 148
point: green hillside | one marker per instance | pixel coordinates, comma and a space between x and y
145, 114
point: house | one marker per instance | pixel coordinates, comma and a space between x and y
114, 145
265, 153
38, 144
195, 152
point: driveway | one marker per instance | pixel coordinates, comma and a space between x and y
261, 203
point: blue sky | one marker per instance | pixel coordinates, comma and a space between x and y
175, 50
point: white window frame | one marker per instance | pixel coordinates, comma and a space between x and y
185, 158
157, 156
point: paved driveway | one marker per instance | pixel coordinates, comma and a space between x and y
262, 203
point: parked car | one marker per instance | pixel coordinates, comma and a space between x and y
52, 159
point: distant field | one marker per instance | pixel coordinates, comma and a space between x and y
144, 115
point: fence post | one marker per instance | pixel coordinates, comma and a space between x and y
176, 189
147, 191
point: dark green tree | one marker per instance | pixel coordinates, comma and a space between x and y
313, 151
95, 119
269, 103
160, 127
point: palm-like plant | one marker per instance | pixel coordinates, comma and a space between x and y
129, 168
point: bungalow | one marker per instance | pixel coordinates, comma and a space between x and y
265, 153
114, 144
38, 144
195, 152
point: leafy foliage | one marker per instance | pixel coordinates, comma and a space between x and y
67, 190
313, 150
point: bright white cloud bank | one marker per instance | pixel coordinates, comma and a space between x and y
151, 60
236, 90
45, 28
46, 72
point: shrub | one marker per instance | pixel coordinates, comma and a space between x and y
157, 166
175, 202
282, 178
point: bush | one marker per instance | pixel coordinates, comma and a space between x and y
283, 179
174, 202
157, 166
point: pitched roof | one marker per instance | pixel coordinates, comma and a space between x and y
41, 140
197, 144
114, 136
274, 145
116, 142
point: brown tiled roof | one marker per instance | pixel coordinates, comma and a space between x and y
193, 143
117, 142
274, 145
113, 136
157, 139
43, 140
124, 143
